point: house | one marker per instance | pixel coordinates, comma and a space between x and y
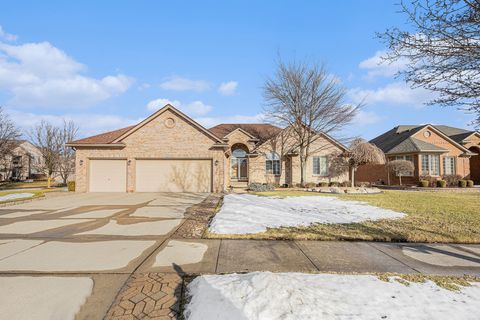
22, 163
168, 151
435, 150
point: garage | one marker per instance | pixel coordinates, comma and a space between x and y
177, 175
108, 176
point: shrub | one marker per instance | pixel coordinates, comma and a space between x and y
424, 183
333, 184
462, 183
261, 187
441, 183
361, 184
432, 181
310, 185
285, 185
71, 185
470, 183
344, 184
452, 180
323, 184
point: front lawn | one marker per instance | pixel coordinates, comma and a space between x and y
431, 217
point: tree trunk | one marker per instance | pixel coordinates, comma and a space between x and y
352, 170
302, 173
400, 179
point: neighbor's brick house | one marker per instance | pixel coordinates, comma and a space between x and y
435, 150
24, 162
169, 151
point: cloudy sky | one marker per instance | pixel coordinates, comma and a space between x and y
109, 64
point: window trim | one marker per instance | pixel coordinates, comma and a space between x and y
272, 164
454, 165
429, 157
320, 174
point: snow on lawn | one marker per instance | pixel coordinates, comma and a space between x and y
14, 196
265, 295
246, 213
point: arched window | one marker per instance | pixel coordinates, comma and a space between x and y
239, 153
272, 163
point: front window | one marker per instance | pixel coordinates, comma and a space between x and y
430, 165
320, 166
272, 163
407, 158
449, 165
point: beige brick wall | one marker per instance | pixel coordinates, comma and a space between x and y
156, 141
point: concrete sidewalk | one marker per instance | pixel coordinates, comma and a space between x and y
227, 256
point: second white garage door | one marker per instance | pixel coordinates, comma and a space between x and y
108, 176
173, 175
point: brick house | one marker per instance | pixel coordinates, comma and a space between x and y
435, 150
22, 163
169, 151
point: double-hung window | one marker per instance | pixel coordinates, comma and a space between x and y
320, 166
449, 166
407, 158
430, 165
272, 163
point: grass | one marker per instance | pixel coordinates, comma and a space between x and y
452, 283
23, 185
431, 217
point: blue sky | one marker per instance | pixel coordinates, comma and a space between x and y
109, 64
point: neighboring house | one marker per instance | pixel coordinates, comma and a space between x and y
435, 150
23, 163
169, 151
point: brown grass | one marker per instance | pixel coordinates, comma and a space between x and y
431, 217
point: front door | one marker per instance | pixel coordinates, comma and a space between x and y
239, 168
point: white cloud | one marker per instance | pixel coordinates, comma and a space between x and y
228, 88
183, 84
212, 121
89, 123
364, 118
7, 36
41, 75
396, 93
195, 108
377, 67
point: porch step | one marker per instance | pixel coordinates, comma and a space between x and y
239, 184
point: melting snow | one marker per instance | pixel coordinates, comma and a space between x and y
13, 196
324, 296
246, 213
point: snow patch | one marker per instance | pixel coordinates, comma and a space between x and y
180, 252
15, 196
39, 298
265, 295
246, 213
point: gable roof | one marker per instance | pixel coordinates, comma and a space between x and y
103, 138
261, 131
113, 138
411, 145
400, 140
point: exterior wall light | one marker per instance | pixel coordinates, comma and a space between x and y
216, 163
81, 162
129, 162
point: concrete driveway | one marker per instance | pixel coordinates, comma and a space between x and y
74, 252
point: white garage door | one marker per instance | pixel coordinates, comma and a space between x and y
173, 175
108, 176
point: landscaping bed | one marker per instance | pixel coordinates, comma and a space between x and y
430, 217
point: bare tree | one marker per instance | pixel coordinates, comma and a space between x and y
400, 168
9, 135
442, 52
338, 165
47, 138
308, 100
362, 152
66, 161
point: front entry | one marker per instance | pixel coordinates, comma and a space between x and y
239, 165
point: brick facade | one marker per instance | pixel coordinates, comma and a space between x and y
156, 140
